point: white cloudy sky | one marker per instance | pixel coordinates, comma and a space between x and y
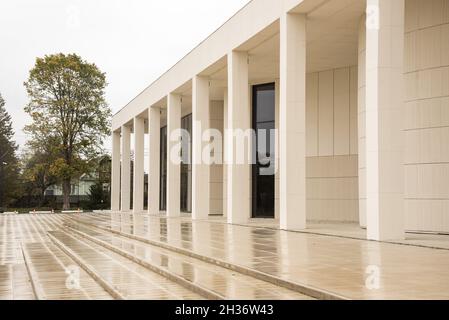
133, 41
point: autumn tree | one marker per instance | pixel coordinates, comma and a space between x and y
37, 170
69, 114
9, 169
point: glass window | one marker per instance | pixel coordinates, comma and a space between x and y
263, 171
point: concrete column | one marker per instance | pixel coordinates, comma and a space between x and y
225, 175
115, 172
154, 129
239, 118
292, 127
126, 169
384, 106
138, 180
173, 155
200, 169
361, 121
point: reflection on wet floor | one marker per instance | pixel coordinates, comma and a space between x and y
129, 279
38, 253
224, 282
49, 266
14, 283
133, 254
15, 230
335, 264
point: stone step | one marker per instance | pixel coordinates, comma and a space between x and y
121, 277
103, 223
55, 276
15, 283
224, 283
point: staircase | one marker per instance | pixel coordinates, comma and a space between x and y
112, 264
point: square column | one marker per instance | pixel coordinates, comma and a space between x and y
200, 169
292, 124
361, 121
115, 172
384, 106
154, 129
225, 167
173, 155
138, 180
239, 121
126, 169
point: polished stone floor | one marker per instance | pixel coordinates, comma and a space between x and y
40, 252
352, 268
353, 230
222, 281
138, 256
24, 237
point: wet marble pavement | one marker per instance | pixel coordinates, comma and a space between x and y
222, 282
52, 256
127, 279
15, 230
50, 269
352, 268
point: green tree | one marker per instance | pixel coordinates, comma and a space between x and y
9, 168
37, 171
98, 197
68, 110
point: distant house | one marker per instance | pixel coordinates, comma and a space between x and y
79, 189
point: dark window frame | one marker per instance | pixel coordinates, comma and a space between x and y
255, 167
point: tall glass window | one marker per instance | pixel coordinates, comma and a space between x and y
163, 170
186, 166
263, 171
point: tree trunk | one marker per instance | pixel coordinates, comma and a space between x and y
42, 198
66, 194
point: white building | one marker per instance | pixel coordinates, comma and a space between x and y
358, 91
78, 188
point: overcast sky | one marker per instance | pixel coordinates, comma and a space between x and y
133, 41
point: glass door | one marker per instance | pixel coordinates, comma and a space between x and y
263, 171
163, 170
186, 166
